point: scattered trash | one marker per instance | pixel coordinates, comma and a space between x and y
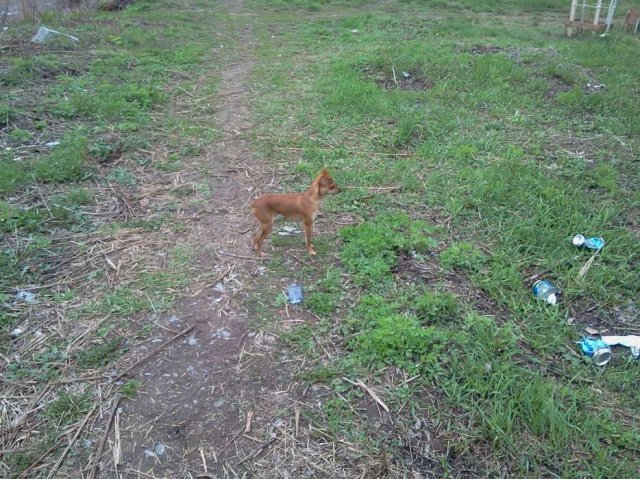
288, 231
406, 74
52, 144
592, 243
631, 341
160, 449
149, 453
45, 33
595, 86
354, 31
16, 332
218, 403
294, 294
26, 296
261, 270
174, 320
545, 290
192, 341
597, 349
86, 443
219, 287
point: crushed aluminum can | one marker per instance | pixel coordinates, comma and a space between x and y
597, 349
294, 293
592, 243
545, 290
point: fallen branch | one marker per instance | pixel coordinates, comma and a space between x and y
96, 459
73, 440
302, 261
221, 252
373, 394
144, 359
257, 451
42, 457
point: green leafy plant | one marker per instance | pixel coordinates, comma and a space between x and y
370, 248
463, 256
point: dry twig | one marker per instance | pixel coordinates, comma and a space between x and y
370, 392
152, 353
73, 440
107, 427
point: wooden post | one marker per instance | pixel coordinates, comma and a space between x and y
572, 17
610, 10
596, 17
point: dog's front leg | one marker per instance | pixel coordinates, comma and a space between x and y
307, 234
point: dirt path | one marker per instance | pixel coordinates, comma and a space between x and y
199, 393
224, 401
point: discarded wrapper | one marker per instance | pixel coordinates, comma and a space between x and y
45, 33
287, 231
26, 296
631, 341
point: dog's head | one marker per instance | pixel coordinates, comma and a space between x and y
326, 183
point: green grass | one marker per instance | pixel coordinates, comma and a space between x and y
130, 389
501, 154
100, 355
67, 408
370, 249
505, 155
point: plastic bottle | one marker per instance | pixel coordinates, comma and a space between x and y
294, 293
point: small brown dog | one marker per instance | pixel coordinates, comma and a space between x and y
295, 206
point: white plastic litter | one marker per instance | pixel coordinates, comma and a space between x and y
631, 341
26, 296
45, 33
286, 231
